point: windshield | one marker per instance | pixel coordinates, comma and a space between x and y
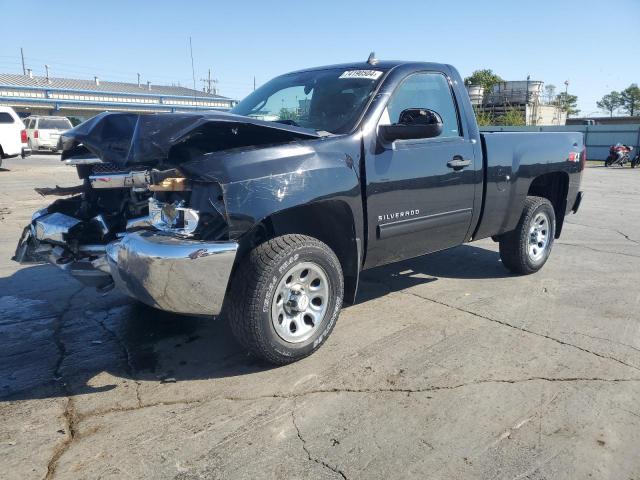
329, 100
54, 124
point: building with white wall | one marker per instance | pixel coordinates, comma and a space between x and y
524, 96
35, 95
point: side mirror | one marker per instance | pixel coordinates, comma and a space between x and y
414, 123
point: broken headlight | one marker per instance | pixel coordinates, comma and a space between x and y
173, 217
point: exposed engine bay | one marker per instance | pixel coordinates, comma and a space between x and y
73, 232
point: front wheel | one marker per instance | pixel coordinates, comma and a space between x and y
285, 298
526, 249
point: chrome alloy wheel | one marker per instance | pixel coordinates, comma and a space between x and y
300, 302
538, 236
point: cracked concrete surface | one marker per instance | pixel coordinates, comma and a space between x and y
68, 415
447, 367
332, 468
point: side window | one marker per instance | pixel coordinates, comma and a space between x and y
426, 90
6, 118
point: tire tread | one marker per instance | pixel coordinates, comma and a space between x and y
252, 276
512, 244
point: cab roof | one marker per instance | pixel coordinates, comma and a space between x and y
383, 65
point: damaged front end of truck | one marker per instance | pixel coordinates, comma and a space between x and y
164, 200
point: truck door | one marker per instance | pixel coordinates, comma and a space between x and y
419, 192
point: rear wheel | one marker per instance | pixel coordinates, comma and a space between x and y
285, 298
526, 249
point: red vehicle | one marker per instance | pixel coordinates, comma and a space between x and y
619, 155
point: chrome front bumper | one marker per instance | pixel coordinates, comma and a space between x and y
162, 270
170, 273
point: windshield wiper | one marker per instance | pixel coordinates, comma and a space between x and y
293, 123
289, 122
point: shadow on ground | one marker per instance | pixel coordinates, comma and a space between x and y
50, 349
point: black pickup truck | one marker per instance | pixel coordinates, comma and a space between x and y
268, 214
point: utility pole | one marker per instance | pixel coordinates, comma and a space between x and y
254, 83
209, 82
24, 70
527, 117
46, 67
566, 97
138, 79
193, 70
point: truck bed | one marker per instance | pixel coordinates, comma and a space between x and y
511, 161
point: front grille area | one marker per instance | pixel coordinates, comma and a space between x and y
100, 168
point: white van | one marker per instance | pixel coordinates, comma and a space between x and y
43, 132
13, 137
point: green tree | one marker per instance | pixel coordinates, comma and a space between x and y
288, 114
630, 99
483, 117
550, 92
568, 103
610, 102
484, 77
512, 117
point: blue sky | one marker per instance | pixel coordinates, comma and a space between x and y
593, 44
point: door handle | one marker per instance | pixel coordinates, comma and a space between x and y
458, 163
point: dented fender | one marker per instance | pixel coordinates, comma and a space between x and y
261, 182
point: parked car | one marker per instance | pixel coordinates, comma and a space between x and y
13, 140
271, 222
43, 133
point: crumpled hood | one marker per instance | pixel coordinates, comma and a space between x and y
172, 138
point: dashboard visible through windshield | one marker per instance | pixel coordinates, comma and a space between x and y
329, 100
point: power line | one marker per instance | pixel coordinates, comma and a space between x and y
64, 69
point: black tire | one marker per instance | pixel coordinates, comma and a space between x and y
515, 246
254, 287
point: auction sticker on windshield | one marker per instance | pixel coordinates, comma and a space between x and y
370, 74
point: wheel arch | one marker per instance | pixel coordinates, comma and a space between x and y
554, 187
330, 221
